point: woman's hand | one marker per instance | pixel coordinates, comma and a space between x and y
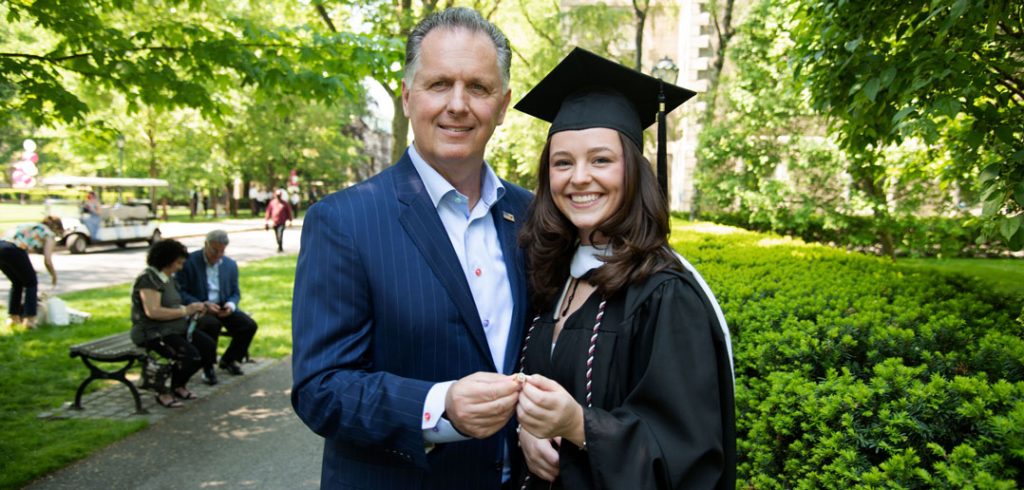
546, 410
193, 308
541, 455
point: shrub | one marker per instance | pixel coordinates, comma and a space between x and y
912, 236
852, 373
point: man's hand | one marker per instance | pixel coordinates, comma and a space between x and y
212, 307
224, 311
482, 403
547, 410
541, 455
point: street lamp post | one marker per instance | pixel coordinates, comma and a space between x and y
120, 169
666, 71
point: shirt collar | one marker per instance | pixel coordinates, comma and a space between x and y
163, 277
587, 258
491, 188
206, 260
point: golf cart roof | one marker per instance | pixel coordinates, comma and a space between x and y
71, 181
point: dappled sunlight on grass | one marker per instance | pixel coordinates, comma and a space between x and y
714, 228
778, 241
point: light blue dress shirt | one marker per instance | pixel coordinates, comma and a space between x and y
475, 240
213, 283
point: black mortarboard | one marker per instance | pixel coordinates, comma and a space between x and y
588, 91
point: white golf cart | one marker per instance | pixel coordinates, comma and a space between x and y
122, 223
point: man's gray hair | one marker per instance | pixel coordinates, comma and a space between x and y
457, 18
217, 236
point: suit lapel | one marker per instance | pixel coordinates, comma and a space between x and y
420, 220
204, 285
222, 282
517, 281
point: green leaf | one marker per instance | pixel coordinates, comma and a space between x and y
990, 172
851, 46
871, 88
1009, 226
902, 114
1017, 157
947, 106
994, 205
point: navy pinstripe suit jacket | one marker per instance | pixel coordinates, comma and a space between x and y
381, 312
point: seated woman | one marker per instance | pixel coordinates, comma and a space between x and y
39, 238
162, 324
630, 373
91, 214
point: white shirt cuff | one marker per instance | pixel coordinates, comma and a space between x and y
231, 306
437, 429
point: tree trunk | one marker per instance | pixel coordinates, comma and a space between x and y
725, 32
154, 171
866, 178
641, 19
399, 129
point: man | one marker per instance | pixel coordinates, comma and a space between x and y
279, 213
210, 277
410, 295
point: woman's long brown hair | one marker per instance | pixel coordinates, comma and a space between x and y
637, 231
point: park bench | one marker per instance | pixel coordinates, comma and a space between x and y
119, 348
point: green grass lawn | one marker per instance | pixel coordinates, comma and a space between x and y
38, 374
1004, 275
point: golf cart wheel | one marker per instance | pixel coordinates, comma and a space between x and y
155, 238
77, 243
122, 244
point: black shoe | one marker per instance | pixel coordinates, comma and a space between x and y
232, 368
209, 376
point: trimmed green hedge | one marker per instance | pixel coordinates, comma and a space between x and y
912, 236
853, 372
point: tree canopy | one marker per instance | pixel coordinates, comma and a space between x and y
950, 72
172, 54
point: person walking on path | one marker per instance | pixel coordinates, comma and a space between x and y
211, 277
15, 264
410, 295
279, 214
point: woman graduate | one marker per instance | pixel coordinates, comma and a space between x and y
629, 373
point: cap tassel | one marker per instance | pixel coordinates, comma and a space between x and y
662, 155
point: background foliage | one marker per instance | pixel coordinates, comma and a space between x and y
852, 373
829, 111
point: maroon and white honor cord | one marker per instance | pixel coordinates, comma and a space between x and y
590, 363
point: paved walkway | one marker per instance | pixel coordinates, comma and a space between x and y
244, 436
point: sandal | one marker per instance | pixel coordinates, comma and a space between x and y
182, 393
174, 403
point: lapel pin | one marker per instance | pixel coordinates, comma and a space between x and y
508, 217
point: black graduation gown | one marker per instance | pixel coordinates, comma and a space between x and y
663, 410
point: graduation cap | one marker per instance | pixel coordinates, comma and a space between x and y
588, 91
